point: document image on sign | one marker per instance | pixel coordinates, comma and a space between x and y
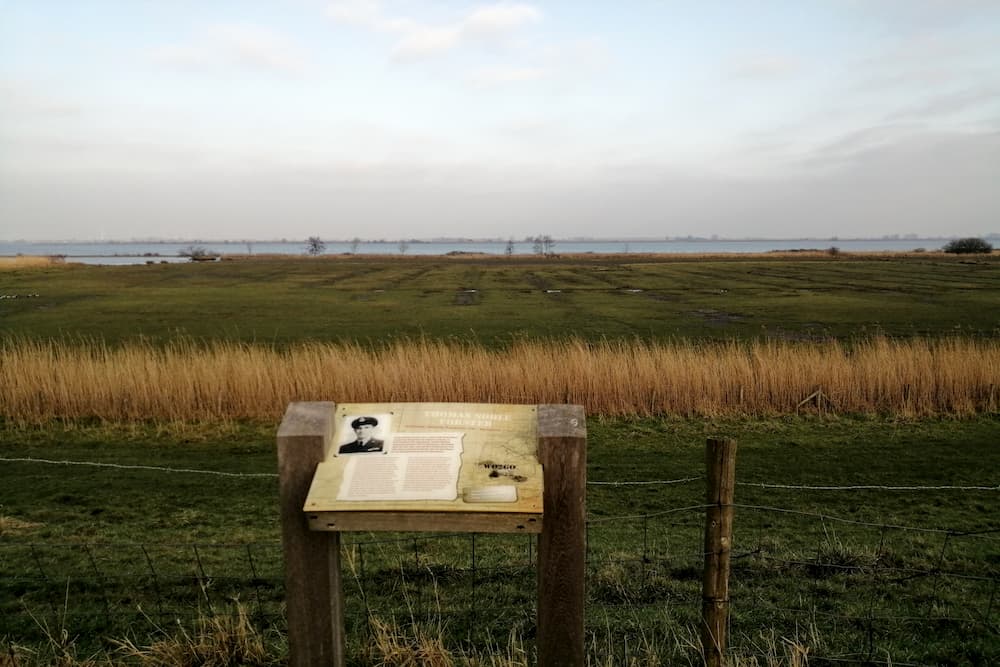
415, 466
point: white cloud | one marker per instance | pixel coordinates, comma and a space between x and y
497, 19
424, 41
763, 66
184, 56
505, 74
365, 13
565, 62
235, 45
417, 40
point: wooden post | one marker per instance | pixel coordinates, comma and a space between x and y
562, 451
313, 591
720, 455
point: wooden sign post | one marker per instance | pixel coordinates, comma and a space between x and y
430, 467
562, 548
313, 591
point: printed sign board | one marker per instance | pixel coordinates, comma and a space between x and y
430, 466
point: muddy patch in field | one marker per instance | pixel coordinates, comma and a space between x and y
717, 317
812, 333
537, 281
658, 296
467, 297
367, 296
10, 525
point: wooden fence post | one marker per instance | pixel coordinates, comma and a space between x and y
562, 451
720, 455
313, 592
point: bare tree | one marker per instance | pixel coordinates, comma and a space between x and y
195, 253
509, 250
404, 245
355, 242
315, 246
543, 245
548, 244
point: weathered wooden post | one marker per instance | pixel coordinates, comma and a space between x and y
562, 451
720, 455
312, 559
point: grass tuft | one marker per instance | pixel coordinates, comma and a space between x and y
218, 640
394, 646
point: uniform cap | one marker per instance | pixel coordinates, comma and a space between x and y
364, 421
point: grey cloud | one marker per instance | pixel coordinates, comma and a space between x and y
922, 14
914, 62
940, 183
937, 106
851, 144
23, 98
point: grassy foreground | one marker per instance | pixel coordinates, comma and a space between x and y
859, 539
906, 575
494, 301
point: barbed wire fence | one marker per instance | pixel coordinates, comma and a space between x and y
842, 589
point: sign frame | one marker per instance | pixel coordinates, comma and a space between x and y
481, 452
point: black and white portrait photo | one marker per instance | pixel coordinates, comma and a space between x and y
368, 432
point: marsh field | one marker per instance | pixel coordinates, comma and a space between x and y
493, 301
864, 391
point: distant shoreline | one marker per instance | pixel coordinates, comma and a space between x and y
123, 252
460, 241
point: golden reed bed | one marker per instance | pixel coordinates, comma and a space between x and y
28, 262
187, 381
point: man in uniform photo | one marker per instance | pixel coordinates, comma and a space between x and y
364, 431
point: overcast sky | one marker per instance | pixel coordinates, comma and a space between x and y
412, 118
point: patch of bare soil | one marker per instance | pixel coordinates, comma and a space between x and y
468, 297
717, 317
13, 526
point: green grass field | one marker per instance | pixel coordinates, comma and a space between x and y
91, 546
376, 299
859, 576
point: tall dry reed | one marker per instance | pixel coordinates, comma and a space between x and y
185, 381
27, 262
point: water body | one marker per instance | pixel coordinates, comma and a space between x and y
113, 253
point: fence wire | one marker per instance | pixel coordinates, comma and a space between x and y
850, 590
871, 589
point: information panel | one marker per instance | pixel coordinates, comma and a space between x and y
430, 466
